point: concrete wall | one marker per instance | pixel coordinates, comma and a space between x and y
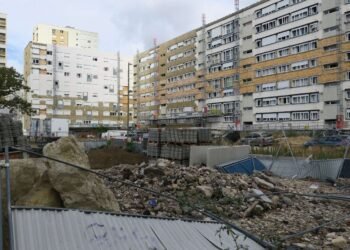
212, 156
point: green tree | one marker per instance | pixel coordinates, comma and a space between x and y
11, 87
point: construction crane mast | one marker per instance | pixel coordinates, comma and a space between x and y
236, 5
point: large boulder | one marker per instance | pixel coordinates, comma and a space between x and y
77, 188
67, 149
46, 183
30, 184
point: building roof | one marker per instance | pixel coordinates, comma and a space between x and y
67, 229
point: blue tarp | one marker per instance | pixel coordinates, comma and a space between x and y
245, 166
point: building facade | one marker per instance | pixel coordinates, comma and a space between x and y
275, 64
80, 85
3, 27
65, 36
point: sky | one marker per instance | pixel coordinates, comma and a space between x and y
123, 25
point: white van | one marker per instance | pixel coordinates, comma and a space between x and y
115, 134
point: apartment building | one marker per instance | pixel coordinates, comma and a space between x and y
80, 85
3, 27
65, 36
274, 64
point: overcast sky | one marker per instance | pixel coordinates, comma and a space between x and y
124, 25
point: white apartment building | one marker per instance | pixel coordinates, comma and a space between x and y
65, 36
72, 83
299, 71
3, 27
274, 64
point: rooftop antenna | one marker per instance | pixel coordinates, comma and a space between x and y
155, 42
203, 19
236, 5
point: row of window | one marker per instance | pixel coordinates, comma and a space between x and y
286, 68
226, 82
286, 100
289, 116
181, 88
294, 16
275, 7
295, 83
182, 44
181, 55
181, 77
226, 107
182, 66
289, 34
303, 47
182, 99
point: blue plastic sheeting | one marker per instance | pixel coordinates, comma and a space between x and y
245, 166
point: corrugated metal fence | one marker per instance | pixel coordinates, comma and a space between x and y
63, 229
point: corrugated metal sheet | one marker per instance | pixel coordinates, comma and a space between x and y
245, 166
61, 229
318, 169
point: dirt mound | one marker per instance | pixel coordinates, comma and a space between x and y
111, 156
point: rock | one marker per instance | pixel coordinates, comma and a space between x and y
261, 195
77, 188
339, 242
331, 235
30, 185
206, 190
153, 172
250, 209
299, 245
264, 184
67, 149
229, 192
287, 201
163, 163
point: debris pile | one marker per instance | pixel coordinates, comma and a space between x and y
269, 206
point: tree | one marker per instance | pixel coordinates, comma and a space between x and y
11, 86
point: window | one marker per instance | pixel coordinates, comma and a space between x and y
300, 116
329, 11
95, 59
314, 115
66, 73
105, 69
78, 75
283, 52
299, 14
330, 47
334, 28
348, 110
347, 56
49, 52
283, 100
283, 68
228, 82
301, 31
330, 66
347, 75
300, 99
314, 98
283, 20
228, 55
35, 61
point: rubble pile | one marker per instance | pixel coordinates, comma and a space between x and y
262, 204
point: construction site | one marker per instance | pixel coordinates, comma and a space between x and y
232, 135
112, 194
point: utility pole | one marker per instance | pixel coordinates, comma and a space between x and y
127, 107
